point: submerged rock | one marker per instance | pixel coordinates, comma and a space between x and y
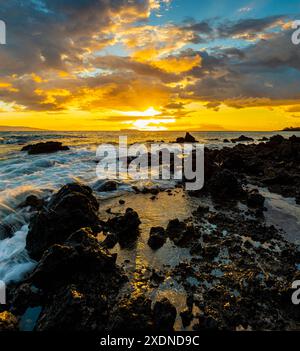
6, 231
70, 209
109, 185
44, 148
33, 202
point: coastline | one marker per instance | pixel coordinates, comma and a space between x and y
218, 260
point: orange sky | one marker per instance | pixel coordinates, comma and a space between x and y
138, 66
225, 119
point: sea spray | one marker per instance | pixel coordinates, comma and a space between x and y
14, 259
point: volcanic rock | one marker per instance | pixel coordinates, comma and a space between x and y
157, 238
44, 148
164, 315
70, 209
8, 322
126, 227
242, 138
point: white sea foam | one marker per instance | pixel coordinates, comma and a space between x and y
22, 175
14, 260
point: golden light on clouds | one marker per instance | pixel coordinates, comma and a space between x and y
178, 64
135, 66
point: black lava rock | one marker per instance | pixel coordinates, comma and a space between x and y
157, 238
45, 148
72, 208
164, 315
255, 199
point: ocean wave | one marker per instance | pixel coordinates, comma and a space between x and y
14, 259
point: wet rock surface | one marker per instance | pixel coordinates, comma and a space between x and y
224, 185
8, 322
132, 314
273, 164
187, 139
33, 202
241, 139
240, 276
157, 237
180, 232
124, 227
70, 209
107, 186
233, 270
45, 148
255, 199
164, 315
78, 282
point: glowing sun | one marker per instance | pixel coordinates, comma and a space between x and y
150, 112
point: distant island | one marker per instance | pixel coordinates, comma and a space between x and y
291, 129
19, 129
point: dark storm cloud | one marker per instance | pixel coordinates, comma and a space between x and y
267, 69
117, 63
248, 28
51, 34
55, 34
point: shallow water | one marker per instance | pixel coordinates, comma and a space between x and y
283, 213
22, 175
29, 318
153, 213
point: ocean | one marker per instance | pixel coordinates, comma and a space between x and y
22, 175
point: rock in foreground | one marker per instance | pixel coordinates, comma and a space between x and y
72, 208
79, 281
8, 322
164, 315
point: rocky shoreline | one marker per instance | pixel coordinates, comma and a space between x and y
238, 273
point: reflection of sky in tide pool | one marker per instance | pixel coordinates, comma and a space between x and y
29, 318
153, 214
284, 213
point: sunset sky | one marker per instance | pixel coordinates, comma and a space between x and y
150, 64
